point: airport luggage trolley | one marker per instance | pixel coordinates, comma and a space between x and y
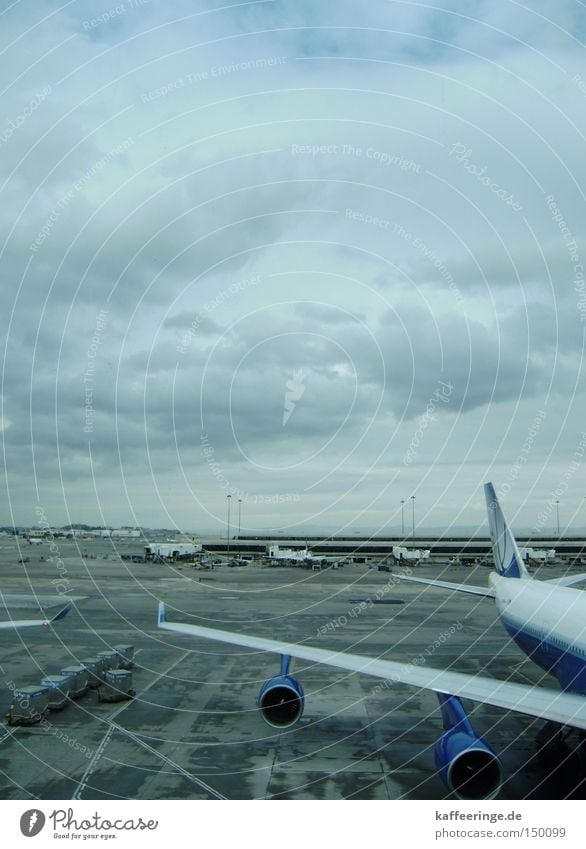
125, 655
95, 668
109, 659
79, 682
29, 705
117, 686
58, 688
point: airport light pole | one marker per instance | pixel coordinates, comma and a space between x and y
403, 517
239, 515
413, 515
557, 507
229, 498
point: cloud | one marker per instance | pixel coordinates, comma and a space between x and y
204, 202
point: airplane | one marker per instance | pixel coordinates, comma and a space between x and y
29, 623
227, 560
303, 557
547, 620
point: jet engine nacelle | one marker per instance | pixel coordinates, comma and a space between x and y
468, 766
281, 701
466, 763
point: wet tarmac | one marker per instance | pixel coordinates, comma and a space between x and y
193, 730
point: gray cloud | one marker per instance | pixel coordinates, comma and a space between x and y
287, 208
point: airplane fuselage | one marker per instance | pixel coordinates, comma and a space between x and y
548, 623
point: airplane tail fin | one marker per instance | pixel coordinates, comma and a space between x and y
507, 558
62, 613
162, 614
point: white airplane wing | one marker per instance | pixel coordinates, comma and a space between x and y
568, 581
554, 705
488, 592
29, 623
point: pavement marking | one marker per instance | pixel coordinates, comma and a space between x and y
197, 781
175, 580
7, 735
520, 670
113, 726
99, 751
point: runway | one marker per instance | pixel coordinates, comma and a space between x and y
193, 730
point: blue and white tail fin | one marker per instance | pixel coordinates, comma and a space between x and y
507, 557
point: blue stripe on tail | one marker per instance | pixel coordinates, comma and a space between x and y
507, 558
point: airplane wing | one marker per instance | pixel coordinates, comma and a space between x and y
29, 623
488, 592
554, 705
568, 581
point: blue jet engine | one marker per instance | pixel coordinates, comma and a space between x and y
466, 763
281, 698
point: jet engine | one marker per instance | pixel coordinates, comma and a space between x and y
466, 763
281, 698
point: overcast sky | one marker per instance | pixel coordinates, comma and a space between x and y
321, 257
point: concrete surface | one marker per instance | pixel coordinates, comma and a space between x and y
193, 730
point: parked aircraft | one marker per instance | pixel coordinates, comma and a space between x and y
225, 560
547, 620
301, 557
29, 623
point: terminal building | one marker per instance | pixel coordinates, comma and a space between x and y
468, 551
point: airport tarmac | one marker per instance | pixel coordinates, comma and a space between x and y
193, 730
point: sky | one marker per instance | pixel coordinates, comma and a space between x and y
322, 258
